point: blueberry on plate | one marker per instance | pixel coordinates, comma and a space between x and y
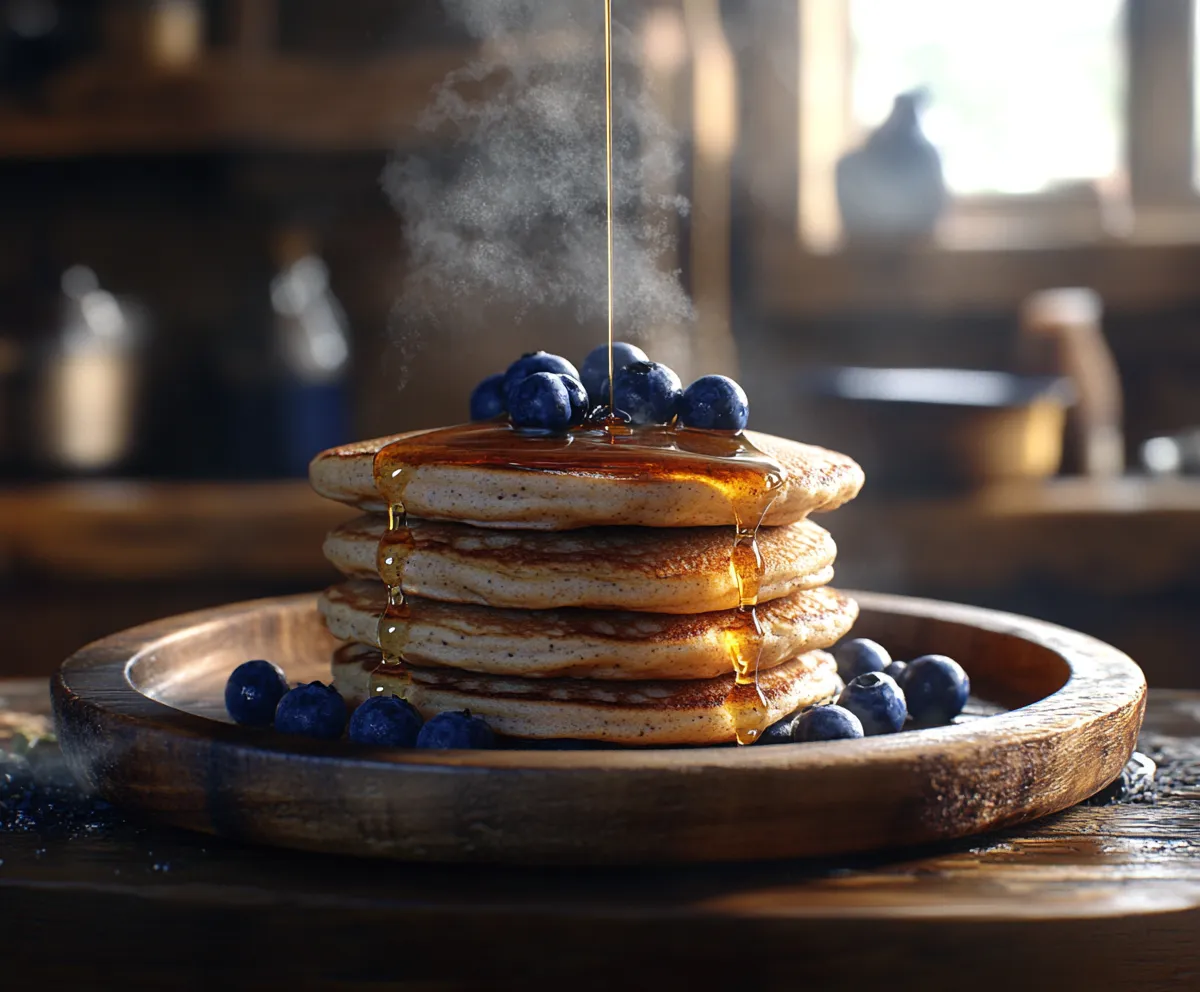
385, 721
936, 688
252, 693
313, 710
487, 400
647, 392
898, 671
860, 656
594, 370
714, 403
580, 404
877, 702
542, 402
827, 723
456, 731
780, 732
527, 365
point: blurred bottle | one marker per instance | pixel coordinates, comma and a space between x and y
88, 391
892, 188
165, 34
312, 346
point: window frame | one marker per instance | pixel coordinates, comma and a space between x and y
1149, 262
1146, 203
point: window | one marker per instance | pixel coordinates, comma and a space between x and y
1058, 121
1024, 97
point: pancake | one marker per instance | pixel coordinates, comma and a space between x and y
585, 643
511, 496
667, 570
647, 713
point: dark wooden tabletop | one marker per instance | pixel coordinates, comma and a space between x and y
1099, 897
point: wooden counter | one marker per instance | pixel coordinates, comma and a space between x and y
1094, 898
81, 560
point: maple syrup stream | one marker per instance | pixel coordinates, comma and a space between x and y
745, 476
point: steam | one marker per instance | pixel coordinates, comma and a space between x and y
511, 214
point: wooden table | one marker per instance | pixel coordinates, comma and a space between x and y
1094, 898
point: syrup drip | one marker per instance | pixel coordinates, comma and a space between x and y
611, 449
745, 642
392, 631
395, 549
608, 175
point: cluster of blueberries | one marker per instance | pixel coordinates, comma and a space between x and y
880, 697
257, 695
547, 394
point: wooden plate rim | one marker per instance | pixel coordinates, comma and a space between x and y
96, 676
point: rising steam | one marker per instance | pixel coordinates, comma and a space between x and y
512, 212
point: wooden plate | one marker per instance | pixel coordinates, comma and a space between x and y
140, 719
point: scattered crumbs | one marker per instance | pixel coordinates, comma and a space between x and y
1135, 784
38, 794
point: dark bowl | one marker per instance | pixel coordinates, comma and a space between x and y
929, 430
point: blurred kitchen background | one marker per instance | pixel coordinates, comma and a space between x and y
960, 241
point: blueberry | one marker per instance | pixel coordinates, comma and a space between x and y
898, 670
527, 365
385, 721
253, 691
647, 392
456, 731
594, 369
827, 723
487, 401
715, 403
936, 688
542, 403
860, 656
313, 710
877, 702
780, 732
580, 404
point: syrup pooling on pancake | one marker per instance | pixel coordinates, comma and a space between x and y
745, 477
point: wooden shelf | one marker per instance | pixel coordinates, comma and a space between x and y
1132, 536
228, 102
151, 531
1134, 276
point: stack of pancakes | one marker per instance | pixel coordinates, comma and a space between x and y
561, 606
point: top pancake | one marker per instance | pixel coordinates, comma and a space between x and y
513, 496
